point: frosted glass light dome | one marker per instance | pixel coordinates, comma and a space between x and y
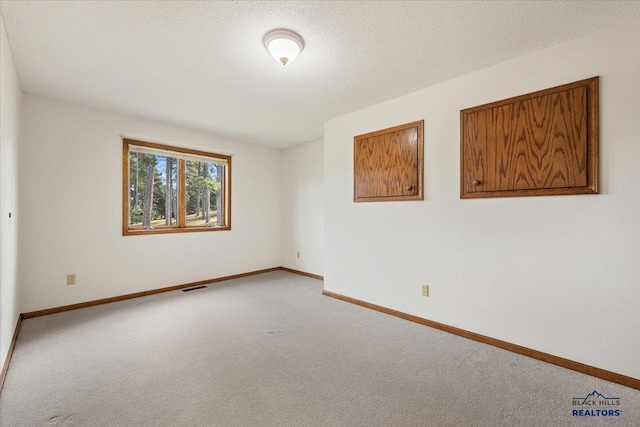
283, 45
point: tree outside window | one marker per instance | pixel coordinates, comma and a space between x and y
173, 189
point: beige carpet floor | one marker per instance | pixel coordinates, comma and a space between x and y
270, 350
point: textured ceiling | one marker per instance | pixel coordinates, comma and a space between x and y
203, 65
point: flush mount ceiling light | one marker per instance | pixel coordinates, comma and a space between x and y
283, 45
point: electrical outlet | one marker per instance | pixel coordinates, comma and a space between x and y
298, 254
71, 279
425, 290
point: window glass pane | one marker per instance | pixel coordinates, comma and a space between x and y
204, 194
153, 191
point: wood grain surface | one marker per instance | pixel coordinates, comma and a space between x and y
388, 164
540, 143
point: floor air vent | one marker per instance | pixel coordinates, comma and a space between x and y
193, 289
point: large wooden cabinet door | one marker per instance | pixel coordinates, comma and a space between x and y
388, 164
536, 144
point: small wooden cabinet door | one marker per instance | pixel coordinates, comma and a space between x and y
388, 164
536, 144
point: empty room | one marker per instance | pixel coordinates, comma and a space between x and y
319, 213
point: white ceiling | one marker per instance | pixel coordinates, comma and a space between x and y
203, 65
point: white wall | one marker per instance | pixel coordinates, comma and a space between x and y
71, 199
560, 274
302, 207
10, 106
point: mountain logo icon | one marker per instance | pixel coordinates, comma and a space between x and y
594, 395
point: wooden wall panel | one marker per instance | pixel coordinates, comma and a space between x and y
536, 144
388, 164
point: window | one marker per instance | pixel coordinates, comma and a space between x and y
173, 189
